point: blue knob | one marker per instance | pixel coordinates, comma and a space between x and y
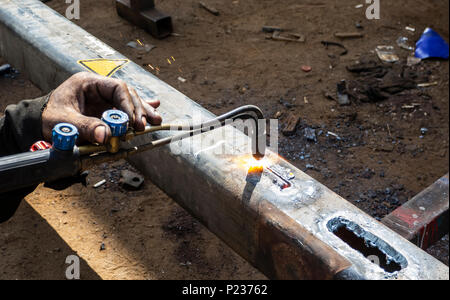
117, 121
64, 136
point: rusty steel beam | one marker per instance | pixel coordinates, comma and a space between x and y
281, 220
423, 220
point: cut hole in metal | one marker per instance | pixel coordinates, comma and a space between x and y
281, 176
372, 247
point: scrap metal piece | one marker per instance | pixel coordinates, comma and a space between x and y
131, 180
271, 29
208, 8
5, 69
328, 43
424, 219
144, 14
387, 54
100, 183
348, 35
427, 84
289, 37
291, 124
342, 95
402, 42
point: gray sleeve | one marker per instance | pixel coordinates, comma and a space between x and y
21, 126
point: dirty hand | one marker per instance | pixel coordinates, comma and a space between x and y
82, 99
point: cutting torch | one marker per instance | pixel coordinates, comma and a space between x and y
64, 159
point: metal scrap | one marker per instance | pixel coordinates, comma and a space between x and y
427, 84
5, 69
100, 183
327, 44
402, 42
342, 95
271, 29
310, 134
291, 124
348, 35
208, 8
131, 180
387, 54
140, 46
412, 61
289, 37
8, 72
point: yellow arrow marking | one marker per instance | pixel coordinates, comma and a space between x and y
102, 66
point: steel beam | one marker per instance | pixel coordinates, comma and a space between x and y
423, 220
304, 231
144, 14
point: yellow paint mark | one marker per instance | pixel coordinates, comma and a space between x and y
104, 67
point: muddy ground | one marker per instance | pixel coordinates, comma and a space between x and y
381, 160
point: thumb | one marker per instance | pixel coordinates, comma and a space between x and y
91, 129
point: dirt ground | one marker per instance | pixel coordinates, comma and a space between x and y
382, 160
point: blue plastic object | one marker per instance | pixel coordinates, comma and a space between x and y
117, 121
64, 136
431, 44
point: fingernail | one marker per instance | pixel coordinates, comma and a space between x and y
144, 121
100, 134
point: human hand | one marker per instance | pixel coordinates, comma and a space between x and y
82, 99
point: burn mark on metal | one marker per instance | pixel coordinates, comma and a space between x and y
291, 192
282, 176
367, 244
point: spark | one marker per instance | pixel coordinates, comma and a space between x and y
140, 43
252, 165
168, 60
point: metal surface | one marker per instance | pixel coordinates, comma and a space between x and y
424, 219
144, 14
282, 231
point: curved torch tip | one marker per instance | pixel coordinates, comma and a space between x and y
258, 156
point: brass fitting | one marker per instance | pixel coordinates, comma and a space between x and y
113, 144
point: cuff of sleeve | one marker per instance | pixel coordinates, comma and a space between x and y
27, 119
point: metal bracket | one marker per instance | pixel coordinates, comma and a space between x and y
143, 13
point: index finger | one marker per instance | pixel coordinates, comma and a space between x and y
116, 92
